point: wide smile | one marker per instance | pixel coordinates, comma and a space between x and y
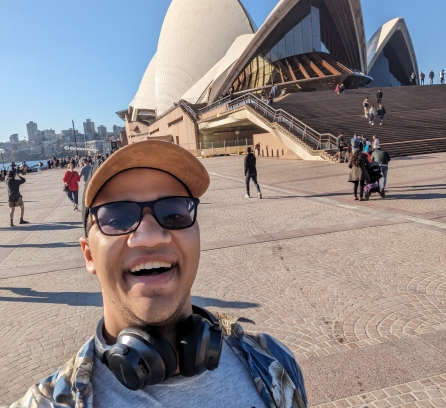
151, 269
152, 274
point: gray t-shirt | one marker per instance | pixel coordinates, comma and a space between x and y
230, 384
85, 172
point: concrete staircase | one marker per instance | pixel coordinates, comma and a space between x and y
415, 122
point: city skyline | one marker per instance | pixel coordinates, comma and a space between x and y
56, 74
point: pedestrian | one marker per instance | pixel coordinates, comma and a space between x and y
413, 79
40, 165
381, 113
372, 114
383, 158
342, 89
251, 172
153, 347
270, 99
366, 106
15, 199
338, 89
442, 76
85, 170
274, 91
422, 76
257, 147
358, 174
71, 179
355, 142
375, 142
431, 76
368, 153
340, 145
379, 96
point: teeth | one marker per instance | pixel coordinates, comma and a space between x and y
150, 265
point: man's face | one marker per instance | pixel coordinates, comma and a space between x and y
143, 300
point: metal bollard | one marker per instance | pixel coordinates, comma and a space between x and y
272, 153
267, 153
277, 152
262, 152
282, 152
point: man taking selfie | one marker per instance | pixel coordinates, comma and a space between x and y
153, 348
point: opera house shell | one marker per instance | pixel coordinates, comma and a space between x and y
210, 48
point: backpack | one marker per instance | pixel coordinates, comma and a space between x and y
355, 143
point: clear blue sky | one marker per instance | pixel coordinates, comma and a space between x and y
79, 59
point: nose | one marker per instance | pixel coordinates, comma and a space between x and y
149, 233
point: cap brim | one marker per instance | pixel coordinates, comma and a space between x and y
151, 154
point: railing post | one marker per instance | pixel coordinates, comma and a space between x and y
224, 145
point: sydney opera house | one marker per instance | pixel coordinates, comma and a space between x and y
209, 49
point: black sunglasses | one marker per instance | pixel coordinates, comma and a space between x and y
124, 217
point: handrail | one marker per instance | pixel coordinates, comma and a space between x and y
215, 105
173, 107
325, 141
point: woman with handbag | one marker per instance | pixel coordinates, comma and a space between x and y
71, 180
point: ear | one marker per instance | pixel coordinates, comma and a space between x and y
89, 264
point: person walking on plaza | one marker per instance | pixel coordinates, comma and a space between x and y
71, 179
340, 145
383, 158
442, 76
85, 170
15, 199
431, 76
375, 142
372, 114
355, 143
422, 76
251, 172
366, 106
379, 96
381, 113
359, 174
153, 347
413, 79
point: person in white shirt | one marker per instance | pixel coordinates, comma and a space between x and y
372, 114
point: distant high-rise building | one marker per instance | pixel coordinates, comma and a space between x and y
89, 130
32, 130
102, 131
118, 129
49, 134
14, 138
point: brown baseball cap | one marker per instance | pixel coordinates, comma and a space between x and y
150, 154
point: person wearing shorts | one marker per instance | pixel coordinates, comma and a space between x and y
14, 197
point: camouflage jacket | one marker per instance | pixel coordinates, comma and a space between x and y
275, 372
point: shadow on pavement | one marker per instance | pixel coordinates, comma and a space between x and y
414, 196
421, 187
205, 302
43, 227
48, 245
63, 298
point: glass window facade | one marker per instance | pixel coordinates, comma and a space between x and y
308, 38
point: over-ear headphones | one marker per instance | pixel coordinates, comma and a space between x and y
143, 357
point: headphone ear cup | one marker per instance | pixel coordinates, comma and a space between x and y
189, 345
161, 345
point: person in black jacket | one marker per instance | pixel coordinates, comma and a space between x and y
251, 172
14, 196
379, 96
381, 113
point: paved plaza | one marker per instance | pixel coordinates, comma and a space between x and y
357, 290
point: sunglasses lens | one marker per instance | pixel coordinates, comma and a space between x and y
118, 218
175, 213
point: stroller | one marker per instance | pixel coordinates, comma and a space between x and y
373, 187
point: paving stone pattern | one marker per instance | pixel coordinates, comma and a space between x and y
356, 289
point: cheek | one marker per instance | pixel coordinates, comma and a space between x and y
105, 253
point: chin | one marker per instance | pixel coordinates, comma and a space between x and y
162, 310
